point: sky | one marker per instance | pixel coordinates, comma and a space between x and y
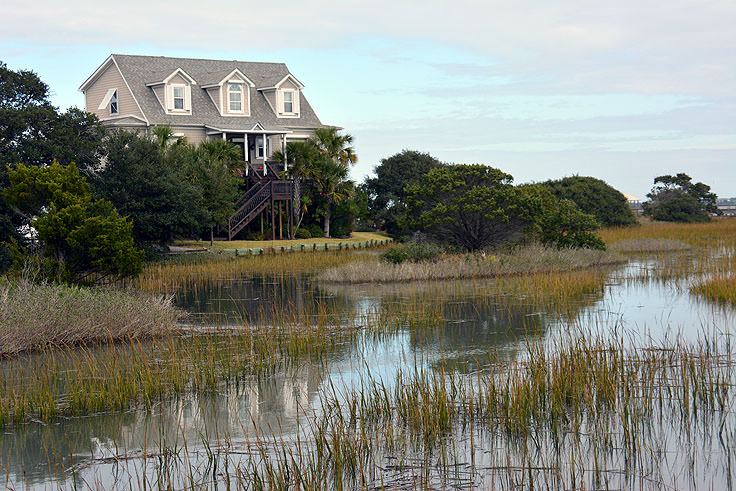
622, 90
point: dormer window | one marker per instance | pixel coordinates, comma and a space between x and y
288, 102
114, 103
235, 98
179, 97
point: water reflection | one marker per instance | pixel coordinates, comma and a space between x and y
35, 454
452, 324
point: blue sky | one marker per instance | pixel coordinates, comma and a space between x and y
623, 91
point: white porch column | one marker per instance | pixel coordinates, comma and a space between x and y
265, 152
283, 150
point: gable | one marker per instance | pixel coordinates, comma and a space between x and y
97, 89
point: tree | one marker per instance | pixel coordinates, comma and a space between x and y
209, 168
387, 205
559, 222
330, 173
82, 241
595, 197
149, 188
678, 199
470, 207
33, 132
330, 178
473, 207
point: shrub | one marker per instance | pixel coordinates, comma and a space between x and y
302, 233
412, 251
314, 230
594, 197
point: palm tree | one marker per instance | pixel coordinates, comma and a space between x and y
331, 171
337, 147
331, 180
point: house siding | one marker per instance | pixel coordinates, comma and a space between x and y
194, 136
215, 95
160, 92
110, 79
270, 96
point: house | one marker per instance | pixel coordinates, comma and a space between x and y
634, 204
257, 106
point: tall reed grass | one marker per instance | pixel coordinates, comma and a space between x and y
202, 270
526, 260
34, 316
583, 412
719, 289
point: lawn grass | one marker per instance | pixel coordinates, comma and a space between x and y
224, 245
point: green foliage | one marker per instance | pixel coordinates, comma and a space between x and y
302, 233
678, 199
474, 207
320, 167
386, 195
560, 223
146, 182
34, 188
32, 131
469, 206
412, 252
210, 169
82, 240
675, 205
595, 197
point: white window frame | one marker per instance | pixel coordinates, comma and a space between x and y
291, 102
230, 93
114, 104
183, 97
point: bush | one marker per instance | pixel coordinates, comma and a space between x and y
594, 197
314, 230
302, 233
412, 252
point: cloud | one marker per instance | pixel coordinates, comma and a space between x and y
661, 46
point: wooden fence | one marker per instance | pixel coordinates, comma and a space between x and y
341, 246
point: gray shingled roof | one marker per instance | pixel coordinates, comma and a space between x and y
141, 70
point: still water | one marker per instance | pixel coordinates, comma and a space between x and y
116, 450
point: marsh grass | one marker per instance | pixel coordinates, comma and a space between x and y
34, 316
718, 232
525, 260
202, 270
72, 382
720, 289
642, 245
582, 412
200, 358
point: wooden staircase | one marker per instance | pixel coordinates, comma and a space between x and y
265, 189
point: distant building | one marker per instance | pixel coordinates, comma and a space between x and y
727, 206
634, 204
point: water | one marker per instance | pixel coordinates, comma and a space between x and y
39, 455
